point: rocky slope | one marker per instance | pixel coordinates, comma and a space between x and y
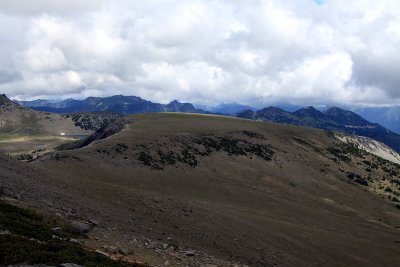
371, 146
198, 190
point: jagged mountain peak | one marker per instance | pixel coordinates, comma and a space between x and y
176, 106
272, 109
174, 102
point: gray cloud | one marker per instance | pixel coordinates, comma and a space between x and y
255, 52
59, 7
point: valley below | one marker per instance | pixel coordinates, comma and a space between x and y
172, 189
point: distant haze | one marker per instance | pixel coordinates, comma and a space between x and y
251, 52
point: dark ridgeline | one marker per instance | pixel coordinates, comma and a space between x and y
120, 104
333, 119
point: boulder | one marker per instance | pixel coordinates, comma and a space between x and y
4, 232
82, 227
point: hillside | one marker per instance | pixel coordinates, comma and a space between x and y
212, 190
334, 119
26, 133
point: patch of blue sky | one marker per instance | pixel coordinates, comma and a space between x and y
320, 2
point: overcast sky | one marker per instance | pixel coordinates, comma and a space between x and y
203, 51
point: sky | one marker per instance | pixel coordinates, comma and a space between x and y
254, 52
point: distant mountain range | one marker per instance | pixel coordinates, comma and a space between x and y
388, 117
228, 109
333, 119
120, 104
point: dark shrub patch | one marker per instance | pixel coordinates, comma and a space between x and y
330, 134
339, 154
188, 158
236, 147
168, 158
188, 151
253, 135
25, 157
389, 190
357, 178
301, 141
148, 160
396, 182
31, 241
361, 181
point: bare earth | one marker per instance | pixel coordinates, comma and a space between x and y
231, 190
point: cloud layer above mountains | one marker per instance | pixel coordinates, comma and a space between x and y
203, 51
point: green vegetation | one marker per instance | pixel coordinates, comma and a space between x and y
235, 147
301, 141
93, 121
330, 133
25, 157
148, 160
392, 169
344, 152
352, 149
371, 165
29, 237
357, 178
121, 148
205, 146
339, 154
253, 135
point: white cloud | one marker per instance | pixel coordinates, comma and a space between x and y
208, 52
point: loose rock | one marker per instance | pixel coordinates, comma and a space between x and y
94, 222
125, 251
82, 227
5, 232
189, 253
